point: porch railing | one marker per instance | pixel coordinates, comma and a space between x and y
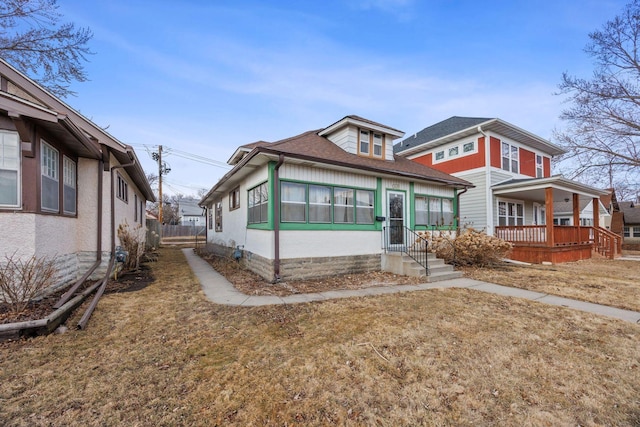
604, 241
407, 241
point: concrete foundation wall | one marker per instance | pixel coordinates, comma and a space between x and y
303, 268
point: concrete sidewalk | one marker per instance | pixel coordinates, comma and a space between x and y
221, 291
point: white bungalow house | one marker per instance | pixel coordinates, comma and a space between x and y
326, 201
515, 196
65, 184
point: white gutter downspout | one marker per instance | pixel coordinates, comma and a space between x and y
487, 176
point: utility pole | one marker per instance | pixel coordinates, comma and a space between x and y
163, 169
160, 184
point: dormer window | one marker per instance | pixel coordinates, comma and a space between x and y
371, 144
365, 142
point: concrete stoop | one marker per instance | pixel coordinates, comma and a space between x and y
399, 263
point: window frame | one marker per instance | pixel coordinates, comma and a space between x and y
635, 232
218, 216
50, 171
371, 143
234, 199
510, 157
354, 218
261, 189
122, 191
539, 166
518, 220
441, 217
69, 176
18, 169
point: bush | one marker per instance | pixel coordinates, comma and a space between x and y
470, 247
131, 241
23, 280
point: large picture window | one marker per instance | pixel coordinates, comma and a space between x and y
50, 174
9, 169
324, 204
434, 211
258, 204
69, 185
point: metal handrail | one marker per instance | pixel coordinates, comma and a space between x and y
407, 241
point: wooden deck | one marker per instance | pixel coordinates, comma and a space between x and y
559, 243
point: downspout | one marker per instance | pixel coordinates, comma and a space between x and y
85, 317
487, 177
67, 295
276, 219
458, 207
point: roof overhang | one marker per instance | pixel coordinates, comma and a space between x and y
360, 123
262, 155
497, 126
534, 189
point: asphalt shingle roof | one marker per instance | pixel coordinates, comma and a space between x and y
314, 147
443, 128
631, 212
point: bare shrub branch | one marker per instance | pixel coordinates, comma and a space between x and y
23, 280
132, 242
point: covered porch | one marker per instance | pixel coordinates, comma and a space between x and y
543, 241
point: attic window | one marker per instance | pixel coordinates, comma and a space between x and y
440, 155
366, 140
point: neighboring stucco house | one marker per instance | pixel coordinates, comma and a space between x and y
631, 228
320, 203
514, 194
57, 198
190, 213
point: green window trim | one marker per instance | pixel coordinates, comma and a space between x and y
445, 219
358, 215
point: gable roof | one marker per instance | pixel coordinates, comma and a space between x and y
312, 149
456, 127
28, 99
362, 122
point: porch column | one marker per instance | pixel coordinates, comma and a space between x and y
576, 210
596, 212
548, 204
576, 218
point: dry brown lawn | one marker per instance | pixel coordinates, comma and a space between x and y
599, 280
165, 356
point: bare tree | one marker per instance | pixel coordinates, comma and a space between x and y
603, 120
33, 40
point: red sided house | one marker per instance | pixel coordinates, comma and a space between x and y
514, 191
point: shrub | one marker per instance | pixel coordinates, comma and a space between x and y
23, 280
131, 241
470, 247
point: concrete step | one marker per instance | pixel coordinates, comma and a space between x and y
443, 275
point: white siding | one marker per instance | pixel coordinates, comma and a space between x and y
345, 138
433, 190
324, 176
473, 203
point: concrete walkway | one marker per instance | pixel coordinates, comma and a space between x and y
221, 291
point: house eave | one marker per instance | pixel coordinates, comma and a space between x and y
497, 126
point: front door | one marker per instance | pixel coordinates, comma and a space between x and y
395, 215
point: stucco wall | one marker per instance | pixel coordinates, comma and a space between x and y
18, 234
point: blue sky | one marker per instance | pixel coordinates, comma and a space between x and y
204, 77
